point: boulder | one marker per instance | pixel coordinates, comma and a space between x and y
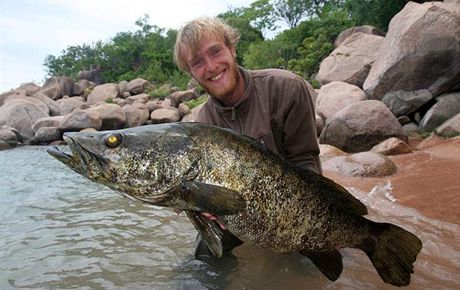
68, 105
365, 164
35, 101
123, 86
102, 93
53, 107
447, 106
403, 103
137, 114
165, 115
142, 98
420, 51
7, 139
191, 117
360, 126
328, 151
48, 134
57, 87
113, 117
411, 129
28, 89
138, 86
319, 124
182, 96
93, 75
450, 128
335, 96
21, 115
352, 60
357, 29
81, 119
183, 109
47, 122
392, 146
80, 87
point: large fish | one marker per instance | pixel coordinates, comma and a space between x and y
259, 197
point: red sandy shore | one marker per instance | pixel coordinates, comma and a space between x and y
427, 179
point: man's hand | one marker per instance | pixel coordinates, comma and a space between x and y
212, 217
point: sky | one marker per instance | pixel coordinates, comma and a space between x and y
32, 29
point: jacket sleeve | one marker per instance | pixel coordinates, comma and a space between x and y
299, 127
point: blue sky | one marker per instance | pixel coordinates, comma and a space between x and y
32, 29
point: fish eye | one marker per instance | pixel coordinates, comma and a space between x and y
113, 140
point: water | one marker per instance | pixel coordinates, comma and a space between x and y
61, 231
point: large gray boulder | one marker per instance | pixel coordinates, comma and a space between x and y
402, 103
352, 60
47, 122
366, 164
420, 51
47, 134
450, 128
68, 105
360, 126
137, 114
165, 115
138, 86
81, 86
7, 139
448, 105
21, 114
335, 96
102, 93
35, 101
81, 119
113, 117
182, 96
53, 107
357, 29
57, 87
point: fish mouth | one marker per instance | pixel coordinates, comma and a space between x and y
79, 158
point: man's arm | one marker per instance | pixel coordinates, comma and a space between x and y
300, 138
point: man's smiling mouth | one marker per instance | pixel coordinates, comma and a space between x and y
217, 77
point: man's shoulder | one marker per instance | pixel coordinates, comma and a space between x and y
274, 73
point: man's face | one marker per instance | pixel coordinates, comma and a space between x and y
214, 67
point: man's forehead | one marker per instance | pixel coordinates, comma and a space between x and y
206, 40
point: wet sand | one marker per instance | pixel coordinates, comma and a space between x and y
427, 179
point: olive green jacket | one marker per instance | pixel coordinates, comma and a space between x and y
277, 109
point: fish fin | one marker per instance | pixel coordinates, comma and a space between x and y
329, 262
392, 251
332, 190
209, 232
213, 198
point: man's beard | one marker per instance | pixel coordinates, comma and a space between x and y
231, 87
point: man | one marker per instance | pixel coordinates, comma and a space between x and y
273, 106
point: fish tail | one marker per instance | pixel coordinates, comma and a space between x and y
392, 251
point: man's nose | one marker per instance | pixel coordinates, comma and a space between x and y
211, 64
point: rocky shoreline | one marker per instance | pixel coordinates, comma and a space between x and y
377, 92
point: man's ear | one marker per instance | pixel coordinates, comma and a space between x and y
233, 51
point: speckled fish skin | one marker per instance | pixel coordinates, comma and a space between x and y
287, 209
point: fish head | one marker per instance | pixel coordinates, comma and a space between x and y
141, 163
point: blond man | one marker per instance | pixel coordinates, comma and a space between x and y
274, 106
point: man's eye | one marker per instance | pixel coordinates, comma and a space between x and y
197, 63
216, 51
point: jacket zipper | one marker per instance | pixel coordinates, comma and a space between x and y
236, 116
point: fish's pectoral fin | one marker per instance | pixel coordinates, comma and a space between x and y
328, 262
213, 198
209, 232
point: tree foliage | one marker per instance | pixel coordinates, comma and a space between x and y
313, 27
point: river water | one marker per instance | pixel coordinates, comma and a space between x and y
61, 231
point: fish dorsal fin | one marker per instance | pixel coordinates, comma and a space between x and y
209, 232
334, 191
212, 198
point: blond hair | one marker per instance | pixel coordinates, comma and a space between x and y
191, 34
